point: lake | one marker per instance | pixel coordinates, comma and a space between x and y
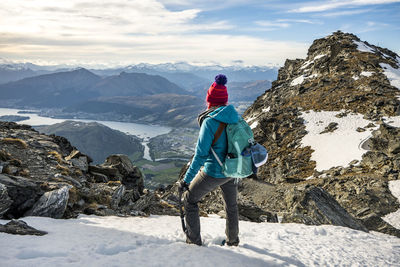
144, 131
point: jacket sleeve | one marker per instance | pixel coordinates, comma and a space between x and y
202, 152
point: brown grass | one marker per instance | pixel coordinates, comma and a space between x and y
14, 141
114, 183
57, 156
64, 170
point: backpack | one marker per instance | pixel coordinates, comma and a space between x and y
244, 155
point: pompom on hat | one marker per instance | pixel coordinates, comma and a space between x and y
221, 79
217, 94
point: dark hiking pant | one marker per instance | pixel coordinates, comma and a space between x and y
199, 187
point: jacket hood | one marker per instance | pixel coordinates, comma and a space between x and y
226, 114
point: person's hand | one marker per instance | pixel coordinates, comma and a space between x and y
183, 186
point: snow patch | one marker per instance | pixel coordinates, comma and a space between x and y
336, 148
392, 74
266, 109
394, 218
309, 62
361, 46
302, 78
306, 64
251, 119
366, 73
355, 77
297, 81
159, 241
319, 56
254, 125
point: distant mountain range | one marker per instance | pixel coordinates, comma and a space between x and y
69, 88
194, 78
170, 94
183, 74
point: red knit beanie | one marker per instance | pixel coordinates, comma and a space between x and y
217, 94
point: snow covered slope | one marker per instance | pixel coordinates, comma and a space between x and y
343, 145
159, 241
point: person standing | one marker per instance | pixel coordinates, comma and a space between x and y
198, 182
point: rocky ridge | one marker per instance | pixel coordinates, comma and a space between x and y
43, 175
343, 74
340, 73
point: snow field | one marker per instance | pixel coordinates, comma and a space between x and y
342, 146
159, 241
336, 148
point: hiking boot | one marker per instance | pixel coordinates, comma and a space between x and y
236, 243
188, 241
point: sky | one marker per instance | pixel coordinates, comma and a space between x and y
122, 32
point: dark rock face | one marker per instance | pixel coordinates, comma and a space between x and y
22, 192
51, 204
45, 176
19, 227
315, 206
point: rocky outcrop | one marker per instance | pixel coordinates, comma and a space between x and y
22, 192
51, 204
19, 227
45, 176
313, 205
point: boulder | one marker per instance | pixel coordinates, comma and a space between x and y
19, 227
23, 193
51, 204
120, 168
314, 206
81, 163
117, 196
253, 213
79, 160
330, 128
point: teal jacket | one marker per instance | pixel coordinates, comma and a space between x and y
203, 155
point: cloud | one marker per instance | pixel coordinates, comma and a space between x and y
95, 18
211, 4
281, 24
345, 13
298, 21
154, 49
272, 25
128, 31
333, 4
